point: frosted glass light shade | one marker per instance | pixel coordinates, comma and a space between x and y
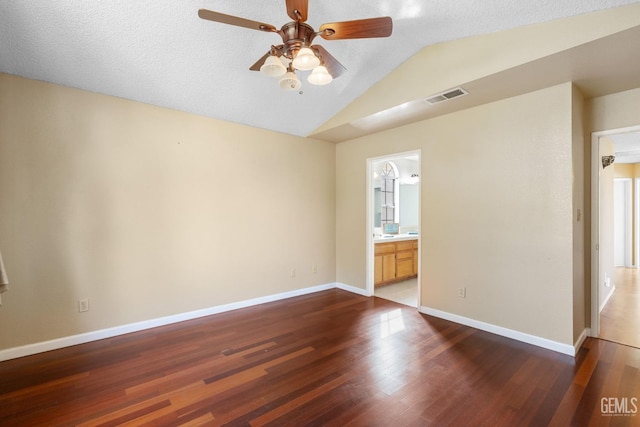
273, 67
305, 59
290, 81
320, 76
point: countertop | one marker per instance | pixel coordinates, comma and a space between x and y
394, 237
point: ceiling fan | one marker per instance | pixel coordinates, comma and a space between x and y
296, 51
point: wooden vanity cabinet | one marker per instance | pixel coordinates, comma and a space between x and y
415, 257
395, 261
385, 262
404, 259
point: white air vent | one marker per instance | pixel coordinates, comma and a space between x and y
446, 96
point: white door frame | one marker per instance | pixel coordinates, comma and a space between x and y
595, 221
636, 222
370, 210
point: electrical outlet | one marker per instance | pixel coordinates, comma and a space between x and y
462, 292
314, 269
83, 305
293, 273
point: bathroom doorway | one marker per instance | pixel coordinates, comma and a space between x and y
615, 282
393, 225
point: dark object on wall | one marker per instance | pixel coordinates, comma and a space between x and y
607, 161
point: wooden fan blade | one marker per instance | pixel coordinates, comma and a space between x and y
331, 64
258, 64
359, 29
234, 20
299, 6
274, 49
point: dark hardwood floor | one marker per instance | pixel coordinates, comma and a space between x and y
331, 358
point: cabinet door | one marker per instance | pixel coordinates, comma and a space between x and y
388, 267
404, 257
404, 264
377, 270
415, 258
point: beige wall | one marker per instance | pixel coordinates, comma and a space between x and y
614, 111
497, 211
149, 212
623, 170
581, 264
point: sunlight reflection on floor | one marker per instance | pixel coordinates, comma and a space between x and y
391, 323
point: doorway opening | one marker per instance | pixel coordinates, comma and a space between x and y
615, 282
393, 227
622, 226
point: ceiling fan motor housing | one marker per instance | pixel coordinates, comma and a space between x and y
295, 36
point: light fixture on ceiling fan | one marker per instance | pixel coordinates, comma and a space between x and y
296, 51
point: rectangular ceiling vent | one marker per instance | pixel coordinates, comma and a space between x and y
446, 96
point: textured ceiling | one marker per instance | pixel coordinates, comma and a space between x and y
161, 53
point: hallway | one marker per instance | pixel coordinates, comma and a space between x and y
620, 318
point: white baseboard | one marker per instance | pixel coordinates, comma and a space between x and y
583, 336
352, 289
505, 332
606, 300
27, 350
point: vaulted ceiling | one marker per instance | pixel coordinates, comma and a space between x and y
161, 53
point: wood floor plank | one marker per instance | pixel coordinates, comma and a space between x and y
620, 317
331, 358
